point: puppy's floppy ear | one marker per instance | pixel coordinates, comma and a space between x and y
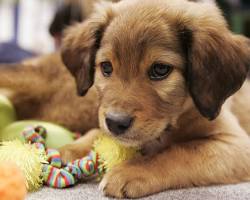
217, 63
80, 45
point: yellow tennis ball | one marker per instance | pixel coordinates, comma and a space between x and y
28, 158
112, 152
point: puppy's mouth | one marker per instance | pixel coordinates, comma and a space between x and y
131, 139
128, 139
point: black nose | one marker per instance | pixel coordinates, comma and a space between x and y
118, 123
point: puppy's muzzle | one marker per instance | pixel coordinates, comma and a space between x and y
118, 123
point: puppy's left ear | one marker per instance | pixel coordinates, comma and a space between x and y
80, 45
217, 64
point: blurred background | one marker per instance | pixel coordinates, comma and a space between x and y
34, 27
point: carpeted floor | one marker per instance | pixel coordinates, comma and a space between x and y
91, 192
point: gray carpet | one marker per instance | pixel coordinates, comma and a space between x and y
91, 192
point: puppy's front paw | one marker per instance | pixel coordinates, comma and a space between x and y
126, 181
71, 152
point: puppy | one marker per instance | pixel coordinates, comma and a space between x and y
164, 73
163, 70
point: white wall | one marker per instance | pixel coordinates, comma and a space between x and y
6, 21
34, 19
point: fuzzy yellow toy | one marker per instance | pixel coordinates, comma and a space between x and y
111, 152
43, 165
28, 158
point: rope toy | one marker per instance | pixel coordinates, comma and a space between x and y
105, 154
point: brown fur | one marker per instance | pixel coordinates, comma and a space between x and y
41, 88
180, 146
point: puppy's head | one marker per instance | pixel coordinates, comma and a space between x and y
148, 58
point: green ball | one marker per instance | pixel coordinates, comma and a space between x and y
57, 136
7, 112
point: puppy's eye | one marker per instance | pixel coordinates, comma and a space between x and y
159, 71
106, 68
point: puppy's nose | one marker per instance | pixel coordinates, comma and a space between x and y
118, 123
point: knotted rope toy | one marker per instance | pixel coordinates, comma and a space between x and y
106, 153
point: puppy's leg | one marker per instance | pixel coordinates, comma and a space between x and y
220, 159
80, 147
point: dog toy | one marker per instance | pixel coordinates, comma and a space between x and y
28, 158
10, 129
7, 112
106, 153
12, 182
56, 136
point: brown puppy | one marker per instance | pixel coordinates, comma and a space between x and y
163, 70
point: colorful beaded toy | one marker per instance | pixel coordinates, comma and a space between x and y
54, 173
106, 153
